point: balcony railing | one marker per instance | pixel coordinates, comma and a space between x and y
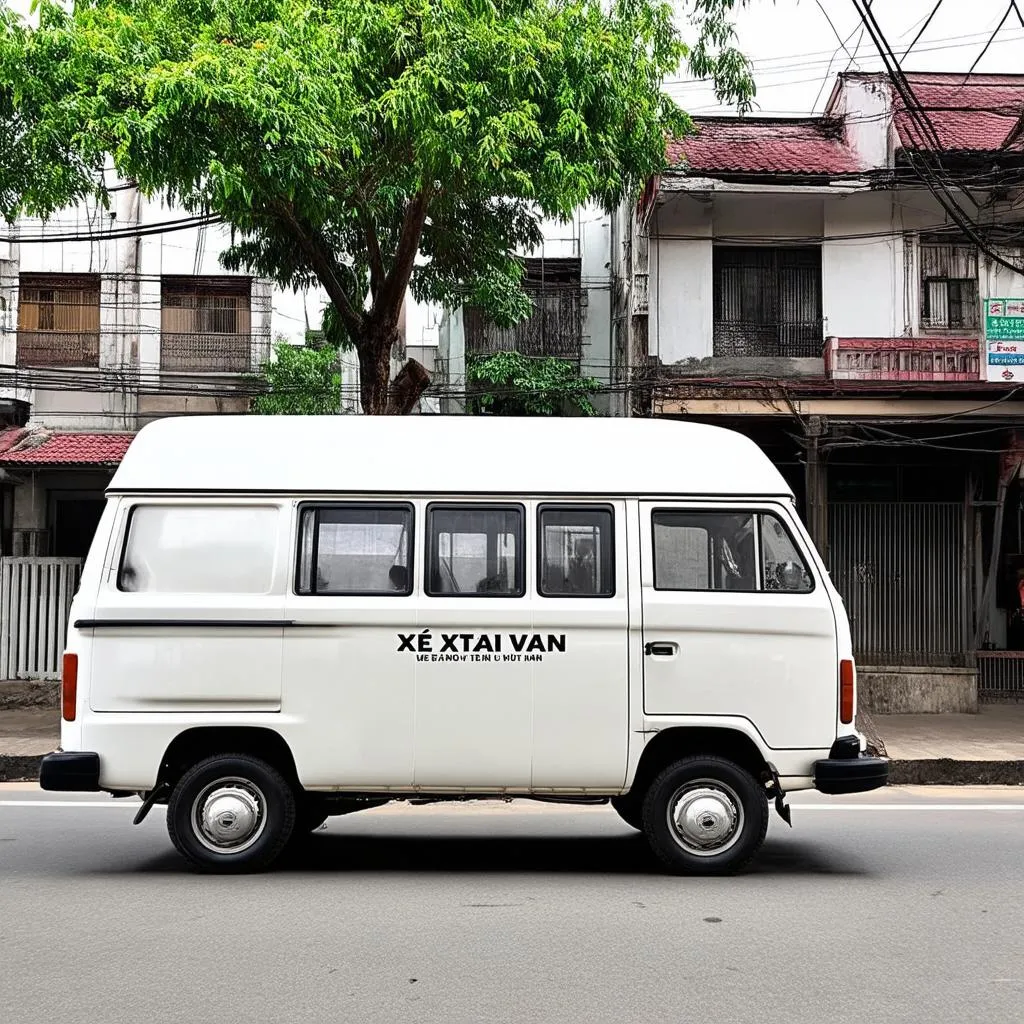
58, 348
207, 353
796, 340
903, 359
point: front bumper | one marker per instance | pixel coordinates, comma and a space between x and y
847, 770
70, 771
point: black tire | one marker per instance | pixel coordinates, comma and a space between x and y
728, 814
630, 810
252, 789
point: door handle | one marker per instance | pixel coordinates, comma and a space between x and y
663, 649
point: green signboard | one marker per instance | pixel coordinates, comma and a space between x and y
1004, 339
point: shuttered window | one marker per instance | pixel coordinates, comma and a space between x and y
206, 324
59, 320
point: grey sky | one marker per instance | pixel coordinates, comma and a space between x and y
792, 45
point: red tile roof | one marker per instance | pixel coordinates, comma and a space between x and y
41, 448
977, 114
805, 146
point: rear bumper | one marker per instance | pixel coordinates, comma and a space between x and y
70, 771
847, 770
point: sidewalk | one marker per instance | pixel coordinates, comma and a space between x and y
982, 749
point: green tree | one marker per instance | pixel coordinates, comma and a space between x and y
342, 139
511, 384
298, 381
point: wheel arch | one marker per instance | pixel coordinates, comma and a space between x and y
686, 741
192, 745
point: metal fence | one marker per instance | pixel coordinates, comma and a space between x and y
35, 601
900, 569
1001, 676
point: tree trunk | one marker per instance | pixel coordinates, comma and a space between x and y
375, 372
378, 394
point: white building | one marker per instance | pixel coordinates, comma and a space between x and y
569, 280
809, 288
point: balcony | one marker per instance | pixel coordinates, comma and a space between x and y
903, 359
758, 340
58, 348
206, 353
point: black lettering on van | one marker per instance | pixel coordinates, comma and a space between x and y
425, 641
483, 643
518, 642
448, 641
406, 641
536, 643
466, 637
556, 643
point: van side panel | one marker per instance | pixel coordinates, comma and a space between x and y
158, 647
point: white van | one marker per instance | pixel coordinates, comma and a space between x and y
286, 618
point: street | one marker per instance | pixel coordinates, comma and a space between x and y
904, 905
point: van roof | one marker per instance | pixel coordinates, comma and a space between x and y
443, 454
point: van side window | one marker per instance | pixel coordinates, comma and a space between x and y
576, 551
349, 550
475, 551
742, 552
208, 549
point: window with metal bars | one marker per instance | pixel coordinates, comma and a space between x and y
767, 301
206, 324
949, 285
58, 320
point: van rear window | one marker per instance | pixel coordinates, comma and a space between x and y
201, 549
356, 550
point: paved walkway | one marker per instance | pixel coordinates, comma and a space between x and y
28, 732
996, 733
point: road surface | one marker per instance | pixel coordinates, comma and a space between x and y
906, 905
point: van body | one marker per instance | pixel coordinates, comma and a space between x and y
284, 618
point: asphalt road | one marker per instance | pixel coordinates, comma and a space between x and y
901, 906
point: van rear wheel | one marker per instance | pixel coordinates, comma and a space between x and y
705, 815
231, 813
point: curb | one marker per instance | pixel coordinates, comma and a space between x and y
947, 772
15, 768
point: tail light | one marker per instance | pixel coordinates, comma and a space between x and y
847, 691
69, 687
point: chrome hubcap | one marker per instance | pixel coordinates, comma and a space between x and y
705, 817
229, 815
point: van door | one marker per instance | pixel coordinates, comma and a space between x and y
189, 612
581, 683
474, 684
349, 685
735, 623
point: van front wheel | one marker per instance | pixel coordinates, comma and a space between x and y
231, 813
705, 816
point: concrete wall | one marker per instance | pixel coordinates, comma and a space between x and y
886, 690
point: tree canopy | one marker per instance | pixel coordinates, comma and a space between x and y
368, 146
298, 381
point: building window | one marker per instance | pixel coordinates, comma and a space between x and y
182, 549
767, 302
743, 552
576, 551
59, 320
205, 324
554, 328
356, 550
949, 285
475, 551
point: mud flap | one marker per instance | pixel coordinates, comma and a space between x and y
774, 788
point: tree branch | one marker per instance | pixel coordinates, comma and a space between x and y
377, 274
387, 303
325, 268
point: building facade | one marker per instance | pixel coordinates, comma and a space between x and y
812, 283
